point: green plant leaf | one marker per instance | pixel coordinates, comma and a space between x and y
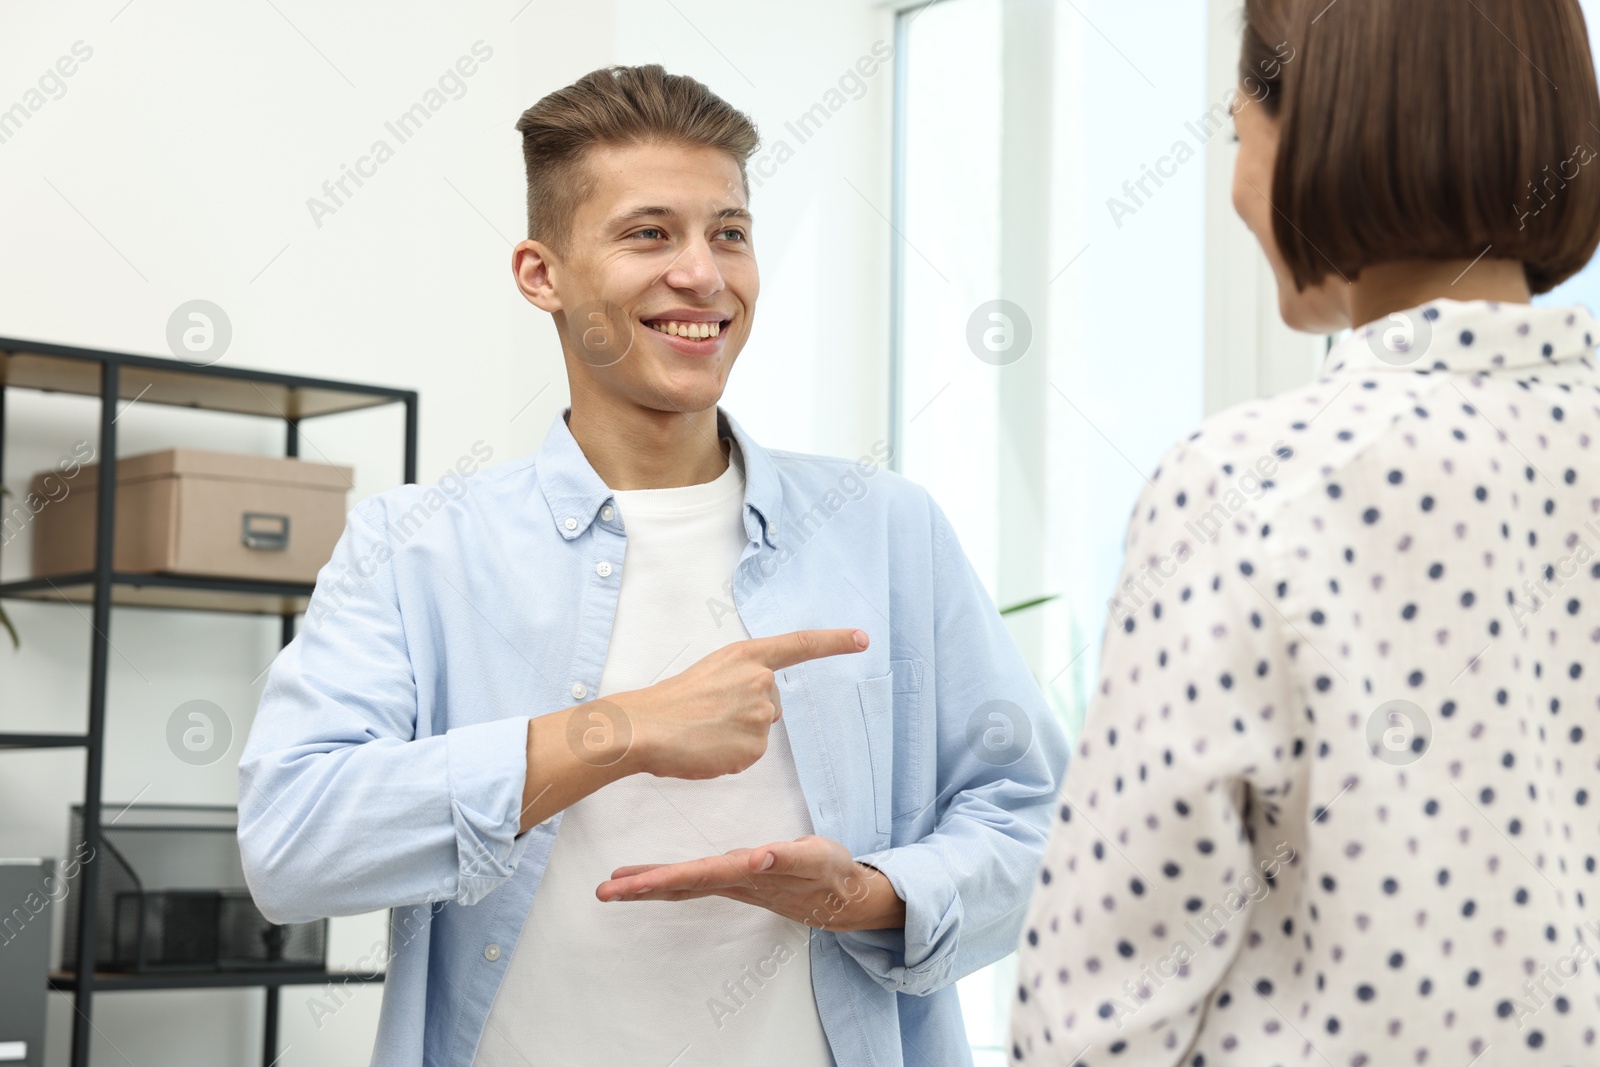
1026, 604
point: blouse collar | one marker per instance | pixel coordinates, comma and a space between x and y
1468, 336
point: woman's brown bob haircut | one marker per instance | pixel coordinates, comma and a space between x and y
1430, 130
617, 106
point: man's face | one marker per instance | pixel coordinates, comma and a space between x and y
655, 289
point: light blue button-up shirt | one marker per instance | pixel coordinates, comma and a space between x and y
386, 765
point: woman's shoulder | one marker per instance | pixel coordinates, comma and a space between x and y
1243, 465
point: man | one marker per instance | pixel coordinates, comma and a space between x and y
608, 731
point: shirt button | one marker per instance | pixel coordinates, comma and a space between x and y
570, 523
603, 569
579, 690
491, 953
608, 512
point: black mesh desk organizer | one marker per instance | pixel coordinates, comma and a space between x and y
172, 896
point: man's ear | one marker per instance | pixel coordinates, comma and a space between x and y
533, 265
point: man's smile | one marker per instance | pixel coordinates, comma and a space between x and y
695, 332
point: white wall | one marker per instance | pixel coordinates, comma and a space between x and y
177, 164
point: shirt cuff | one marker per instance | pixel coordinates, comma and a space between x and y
919, 959
488, 767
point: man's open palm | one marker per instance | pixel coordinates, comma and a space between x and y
812, 880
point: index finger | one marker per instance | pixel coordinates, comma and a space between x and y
786, 650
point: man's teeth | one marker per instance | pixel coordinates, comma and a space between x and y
695, 331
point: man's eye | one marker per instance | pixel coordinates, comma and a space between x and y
652, 233
733, 235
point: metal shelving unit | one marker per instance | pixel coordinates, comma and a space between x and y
110, 377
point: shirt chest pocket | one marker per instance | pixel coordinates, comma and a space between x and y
891, 711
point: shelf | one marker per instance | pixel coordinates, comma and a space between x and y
179, 592
43, 741
119, 380
61, 369
116, 982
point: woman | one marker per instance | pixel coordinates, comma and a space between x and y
1332, 802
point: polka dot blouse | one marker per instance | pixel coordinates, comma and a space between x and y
1334, 802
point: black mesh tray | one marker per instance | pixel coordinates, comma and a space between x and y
171, 895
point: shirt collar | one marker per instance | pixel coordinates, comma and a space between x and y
1469, 336
575, 493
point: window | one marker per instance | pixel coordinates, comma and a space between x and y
1584, 288
1049, 277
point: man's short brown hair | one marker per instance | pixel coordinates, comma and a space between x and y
1432, 130
617, 106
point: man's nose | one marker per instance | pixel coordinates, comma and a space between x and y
696, 270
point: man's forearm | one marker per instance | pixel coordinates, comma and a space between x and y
571, 754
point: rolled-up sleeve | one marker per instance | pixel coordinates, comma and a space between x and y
345, 806
1001, 754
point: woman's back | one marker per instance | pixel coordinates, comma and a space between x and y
1339, 812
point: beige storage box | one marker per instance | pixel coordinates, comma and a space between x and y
210, 514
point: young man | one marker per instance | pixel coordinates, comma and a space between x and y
607, 731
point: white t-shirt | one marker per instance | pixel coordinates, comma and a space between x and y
707, 982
